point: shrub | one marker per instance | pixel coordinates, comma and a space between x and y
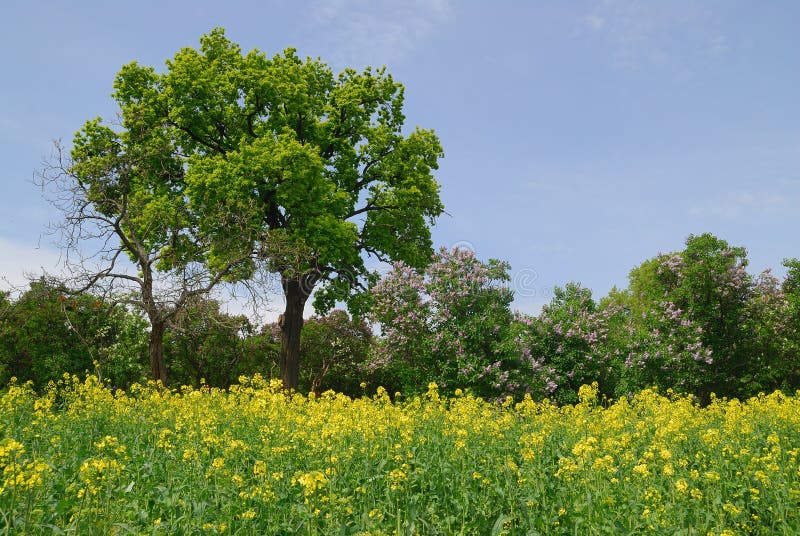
451, 324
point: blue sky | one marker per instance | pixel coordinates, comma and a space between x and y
580, 138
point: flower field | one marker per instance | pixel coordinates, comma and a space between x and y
255, 460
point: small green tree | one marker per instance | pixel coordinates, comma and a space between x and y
128, 232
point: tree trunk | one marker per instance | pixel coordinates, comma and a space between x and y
158, 367
296, 291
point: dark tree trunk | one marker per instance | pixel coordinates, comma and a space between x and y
158, 367
296, 291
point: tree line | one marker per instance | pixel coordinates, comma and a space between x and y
693, 321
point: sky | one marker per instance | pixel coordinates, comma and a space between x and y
581, 138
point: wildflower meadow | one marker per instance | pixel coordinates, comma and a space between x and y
255, 459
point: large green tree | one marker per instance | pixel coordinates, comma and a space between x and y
309, 171
227, 162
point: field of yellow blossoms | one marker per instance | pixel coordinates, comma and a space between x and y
81, 459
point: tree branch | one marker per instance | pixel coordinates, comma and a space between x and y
369, 207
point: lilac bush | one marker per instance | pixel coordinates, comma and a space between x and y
569, 339
451, 324
772, 336
657, 346
709, 284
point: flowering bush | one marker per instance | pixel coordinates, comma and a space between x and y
47, 331
451, 324
790, 343
708, 286
568, 340
772, 326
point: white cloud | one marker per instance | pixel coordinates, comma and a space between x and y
20, 260
360, 32
655, 33
595, 22
717, 46
740, 204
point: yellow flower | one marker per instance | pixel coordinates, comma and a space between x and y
641, 469
731, 509
587, 394
311, 481
10, 448
260, 468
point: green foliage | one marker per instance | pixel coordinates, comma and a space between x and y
46, 333
783, 338
284, 151
333, 351
791, 292
133, 181
205, 345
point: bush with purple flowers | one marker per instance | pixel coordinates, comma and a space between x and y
693, 321
569, 339
451, 324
